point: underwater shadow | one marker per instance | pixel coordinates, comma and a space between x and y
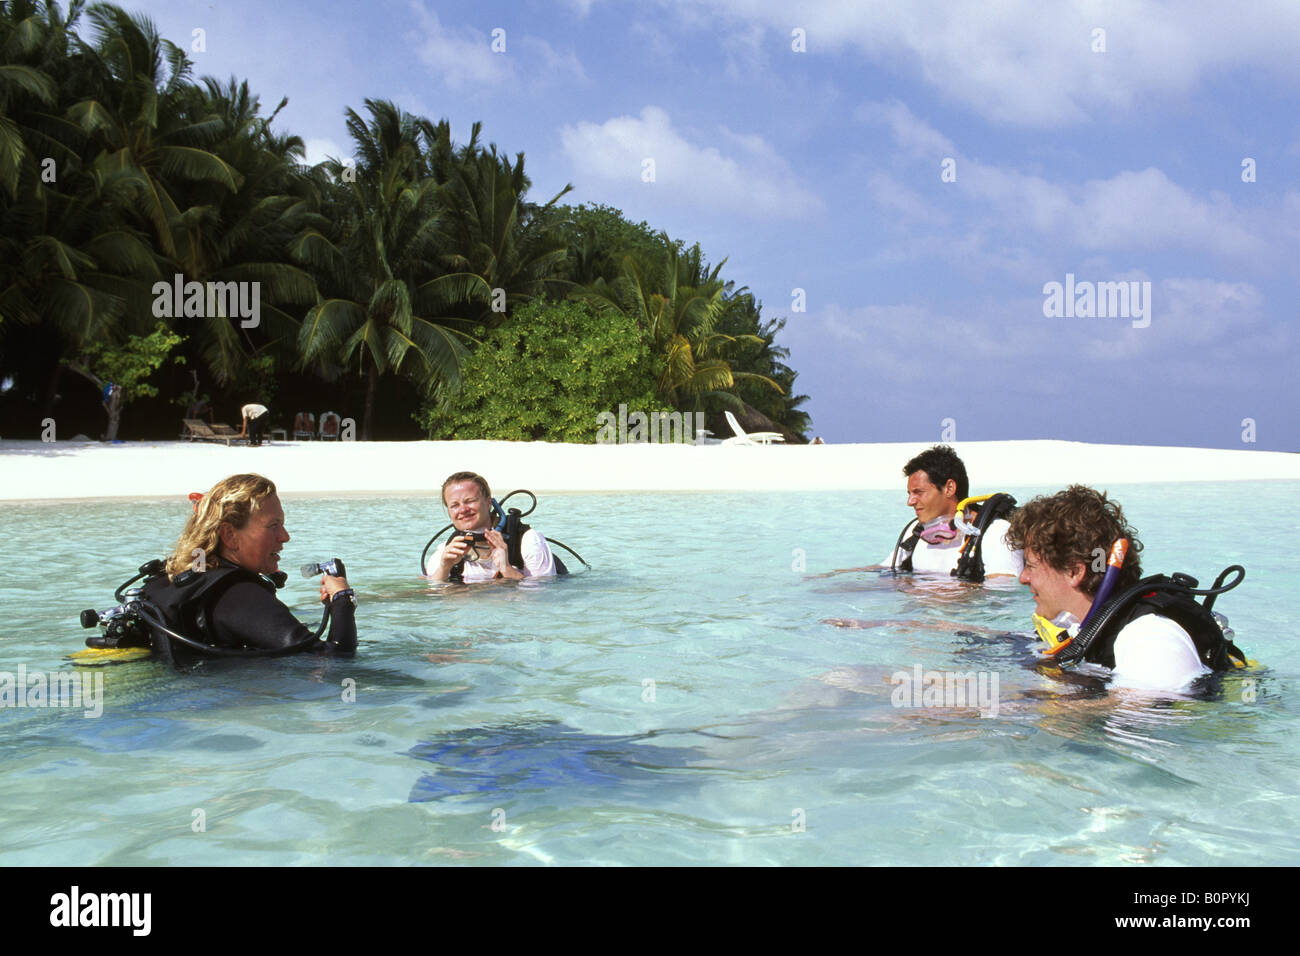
553, 763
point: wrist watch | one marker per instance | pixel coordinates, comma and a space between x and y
346, 592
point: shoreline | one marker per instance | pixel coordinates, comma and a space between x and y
34, 471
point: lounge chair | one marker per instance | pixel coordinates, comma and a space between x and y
197, 428
329, 426
304, 426
749, 438
226, 433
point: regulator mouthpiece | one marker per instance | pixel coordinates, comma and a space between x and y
333, 567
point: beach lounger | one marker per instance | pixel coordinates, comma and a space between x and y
304, 426
196, 428
743, 437
192, 428
329, 426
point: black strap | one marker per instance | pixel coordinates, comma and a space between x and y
906, 564
1166, 597
970, 564
514, 533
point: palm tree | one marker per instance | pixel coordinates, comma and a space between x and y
598, 237
680, 321
778, 408
492, 232
145, 119
247, 235
384, 305
71, 269
24, 86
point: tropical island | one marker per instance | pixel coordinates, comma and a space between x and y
164, 246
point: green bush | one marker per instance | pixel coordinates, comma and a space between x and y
545, 374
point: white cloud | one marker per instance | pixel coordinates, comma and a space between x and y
548, 63
976, 254
912, 134
464, 58
1289, 219
750, 177
461, 57
319, 150
1134, 210
1026, 62
897, 343
744, 51
1198, 322
1225, 319
891, 195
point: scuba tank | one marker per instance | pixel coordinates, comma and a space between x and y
147, 617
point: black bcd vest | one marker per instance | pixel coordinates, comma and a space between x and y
186, 601
1160, 595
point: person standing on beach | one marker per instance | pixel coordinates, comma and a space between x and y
477, 551
255, 421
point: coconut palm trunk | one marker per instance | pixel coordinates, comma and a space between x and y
372, 387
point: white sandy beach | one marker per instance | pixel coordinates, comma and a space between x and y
33, 470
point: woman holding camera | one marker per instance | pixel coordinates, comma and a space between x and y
477, 551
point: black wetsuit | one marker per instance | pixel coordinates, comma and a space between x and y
249, 615
231, 608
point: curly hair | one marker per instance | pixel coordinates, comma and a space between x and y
1077, 526
467, 476
232, 500
939, 464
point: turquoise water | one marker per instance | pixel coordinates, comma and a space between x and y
511, 724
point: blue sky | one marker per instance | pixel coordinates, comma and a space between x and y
820, 169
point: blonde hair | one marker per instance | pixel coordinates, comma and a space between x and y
467, 476
232, 500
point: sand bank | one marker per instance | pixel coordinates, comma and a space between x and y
71, 470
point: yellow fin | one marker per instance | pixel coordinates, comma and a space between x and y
99, 656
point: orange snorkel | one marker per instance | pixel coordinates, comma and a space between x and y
1118, 552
